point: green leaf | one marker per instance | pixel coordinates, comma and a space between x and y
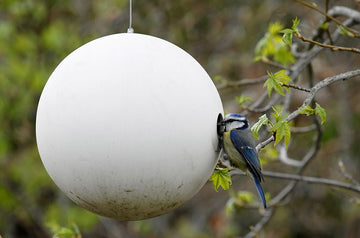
320, 112
317, 111
64, 232
282, 77
288, 33
263, 120
306, 110
271, 84
242, 99
282, 129
295, 25
272, 46
221, 177
275, 80
278, 113
275, 27
287, 37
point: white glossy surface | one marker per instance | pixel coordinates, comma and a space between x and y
126, 126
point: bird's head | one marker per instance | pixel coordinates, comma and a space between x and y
235, 121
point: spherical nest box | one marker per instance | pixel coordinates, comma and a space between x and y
126, 126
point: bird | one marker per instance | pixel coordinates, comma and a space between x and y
237, 140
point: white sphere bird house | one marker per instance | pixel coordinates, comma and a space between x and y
126, 126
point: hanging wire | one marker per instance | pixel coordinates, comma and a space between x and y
130, 29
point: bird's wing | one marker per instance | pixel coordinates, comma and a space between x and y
252, 161
248, 153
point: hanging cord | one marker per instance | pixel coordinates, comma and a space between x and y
130, 29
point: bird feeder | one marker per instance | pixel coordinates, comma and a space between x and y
126, 126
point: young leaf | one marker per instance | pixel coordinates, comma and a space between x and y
271, 84
263, 120
64, 232
272, 47
274, 27
221, 177
287, 37
294, 27
242, 99
278, 113
282, 77
320, 112
275, 80
306, 110
282, 129
288, 33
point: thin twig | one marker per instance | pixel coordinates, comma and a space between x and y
345, 173
327, 19
284, 158
272, 63
265, 143
332, 47
345, 11
286, 191
314, 7
295, 87
261, 223
314, 180
242, 82
303, 129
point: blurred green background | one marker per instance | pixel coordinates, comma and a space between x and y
35, 35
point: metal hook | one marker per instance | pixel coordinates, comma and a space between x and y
130, 29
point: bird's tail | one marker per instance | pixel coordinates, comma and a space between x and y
260, 190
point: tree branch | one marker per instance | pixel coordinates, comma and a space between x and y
242, 82
332, 47
261, 223
314, 180
324, 83
295, 87
328, 16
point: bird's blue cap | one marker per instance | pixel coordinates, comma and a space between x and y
234, 116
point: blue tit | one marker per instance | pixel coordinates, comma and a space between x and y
239, 145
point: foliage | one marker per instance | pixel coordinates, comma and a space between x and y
64, 232
318, 110
263, 120
278, 126
33, 39
242, 99
35, 35
272, 46
288, 33
275, 82
221, 178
